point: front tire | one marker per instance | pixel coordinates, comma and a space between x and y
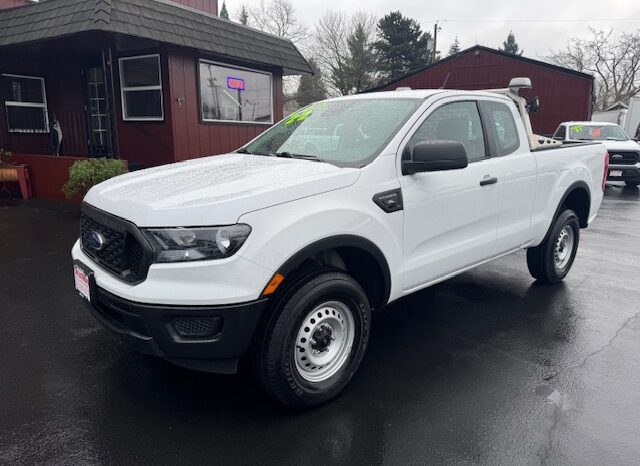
314, 341
551, 261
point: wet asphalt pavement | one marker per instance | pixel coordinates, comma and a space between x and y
487, 368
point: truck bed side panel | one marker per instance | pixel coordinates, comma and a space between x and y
558, 170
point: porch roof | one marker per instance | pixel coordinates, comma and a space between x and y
158, 20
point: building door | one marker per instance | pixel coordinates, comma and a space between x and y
97, 108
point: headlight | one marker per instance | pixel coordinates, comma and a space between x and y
195, 244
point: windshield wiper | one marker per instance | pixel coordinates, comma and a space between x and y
289, 155
242, 150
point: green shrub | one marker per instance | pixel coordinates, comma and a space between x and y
84, 174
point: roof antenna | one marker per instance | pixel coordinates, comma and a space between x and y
445, 81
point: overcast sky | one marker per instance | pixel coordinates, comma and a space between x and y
538, 25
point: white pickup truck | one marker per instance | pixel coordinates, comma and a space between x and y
624, 152
280, 250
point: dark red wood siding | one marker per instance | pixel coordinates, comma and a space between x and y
180, 136
564, 96
65, 93
4, 4
193, 138
208, 6
145, 143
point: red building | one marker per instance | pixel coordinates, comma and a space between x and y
565, 94
147, 81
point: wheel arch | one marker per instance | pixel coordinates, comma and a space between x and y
362, 258
577, 197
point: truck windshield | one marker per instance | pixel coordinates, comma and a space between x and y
598, 133
346, 133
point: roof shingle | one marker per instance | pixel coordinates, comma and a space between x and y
158, 20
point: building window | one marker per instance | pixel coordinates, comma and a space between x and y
141, 88
235, 94
25, 102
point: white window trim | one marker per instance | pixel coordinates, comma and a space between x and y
43, 106
124, 89
241, 68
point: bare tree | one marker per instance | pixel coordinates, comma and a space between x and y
341, 44
331, 51
278, 17
614, 60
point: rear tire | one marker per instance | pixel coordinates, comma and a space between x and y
632, 184
551, 261
314, 339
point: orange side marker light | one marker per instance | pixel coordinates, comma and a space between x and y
273, 284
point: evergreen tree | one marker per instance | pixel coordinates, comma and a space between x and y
402, 46
362, 59
223, 11
510, 45
244, 15
311, 88
455, 47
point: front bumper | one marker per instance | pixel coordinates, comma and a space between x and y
200, 283
207, 338
629, 172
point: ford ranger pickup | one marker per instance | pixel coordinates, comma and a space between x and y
277, 253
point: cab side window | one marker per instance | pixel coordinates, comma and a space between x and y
457, 121
506, 135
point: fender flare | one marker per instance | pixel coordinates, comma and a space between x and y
572, 187
342, 241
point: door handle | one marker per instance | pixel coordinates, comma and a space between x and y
488, 180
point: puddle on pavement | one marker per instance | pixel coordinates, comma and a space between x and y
554, 396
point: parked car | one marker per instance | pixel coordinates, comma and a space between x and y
624, 153
280, 250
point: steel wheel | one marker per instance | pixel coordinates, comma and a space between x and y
324, 341
563, 247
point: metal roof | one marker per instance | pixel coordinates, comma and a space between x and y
157, 20
484, 49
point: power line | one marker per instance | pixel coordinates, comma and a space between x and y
554, 20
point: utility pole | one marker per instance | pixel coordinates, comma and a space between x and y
436, 28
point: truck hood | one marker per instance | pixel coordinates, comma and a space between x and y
214, 190
621, 145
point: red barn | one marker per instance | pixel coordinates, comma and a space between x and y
565, 94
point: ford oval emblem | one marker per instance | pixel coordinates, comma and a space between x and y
95, 240
617, 156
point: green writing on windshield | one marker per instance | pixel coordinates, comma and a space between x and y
301, 115
577, 129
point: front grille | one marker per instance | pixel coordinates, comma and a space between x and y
123, 251
623, 158
112, 254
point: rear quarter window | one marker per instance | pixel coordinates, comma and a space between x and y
506, 131
561, 133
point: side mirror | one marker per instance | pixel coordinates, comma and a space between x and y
533, 105
432, 156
